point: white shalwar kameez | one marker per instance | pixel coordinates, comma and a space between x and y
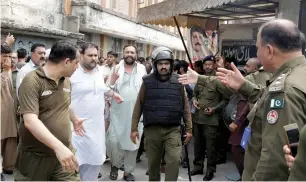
119, 144
87, 95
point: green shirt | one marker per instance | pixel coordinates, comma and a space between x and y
283, 102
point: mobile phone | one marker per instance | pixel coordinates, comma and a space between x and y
292, 134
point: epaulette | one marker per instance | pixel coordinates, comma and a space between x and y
278, 85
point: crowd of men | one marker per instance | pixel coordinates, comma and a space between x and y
64, 111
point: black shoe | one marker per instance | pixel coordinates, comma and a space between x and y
100, 176
184, 164
2, 177
129, 177
138, 159
122, 168
114, 173
196, 172
7, 172
147, 173
208, 176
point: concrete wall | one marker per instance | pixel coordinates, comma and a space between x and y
289, 10
238, 32
39, 12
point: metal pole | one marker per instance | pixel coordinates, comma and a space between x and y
179, 30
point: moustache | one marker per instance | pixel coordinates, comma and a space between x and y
197, 43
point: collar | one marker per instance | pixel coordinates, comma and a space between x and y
288, 66
40, 72
32, 64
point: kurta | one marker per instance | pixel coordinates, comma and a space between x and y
121, 114
88, 102
8, 112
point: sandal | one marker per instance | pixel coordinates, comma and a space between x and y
114, 173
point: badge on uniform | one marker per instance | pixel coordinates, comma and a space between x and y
277, 103
245, 137
272, 116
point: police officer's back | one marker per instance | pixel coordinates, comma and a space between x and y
163, 102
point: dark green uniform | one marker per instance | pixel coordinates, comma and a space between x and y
161, 139
281, 103
260, 77
206, 126
297, 172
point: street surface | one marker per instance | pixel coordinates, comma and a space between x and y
141, 168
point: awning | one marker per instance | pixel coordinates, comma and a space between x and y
193, 12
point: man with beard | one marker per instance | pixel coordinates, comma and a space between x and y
163, 102
126, 79
38, 52
87, 89
252, 65
207, 99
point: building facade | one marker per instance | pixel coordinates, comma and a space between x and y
43, 21
111, 24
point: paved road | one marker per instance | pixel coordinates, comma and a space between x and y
141, 169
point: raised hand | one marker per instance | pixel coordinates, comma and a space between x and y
189, 78
232, 79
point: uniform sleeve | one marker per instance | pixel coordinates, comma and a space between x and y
297, 172
186, 112
221, 88
290, 108
138, 108
29, 97
252, 91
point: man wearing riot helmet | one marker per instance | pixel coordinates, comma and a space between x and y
163, 102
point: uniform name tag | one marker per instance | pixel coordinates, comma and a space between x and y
245, 137
277, 103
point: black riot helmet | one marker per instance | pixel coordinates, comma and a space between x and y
159, 54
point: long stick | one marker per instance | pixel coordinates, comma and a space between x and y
179, 30
187, 158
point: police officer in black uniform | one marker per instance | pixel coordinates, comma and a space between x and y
163, 102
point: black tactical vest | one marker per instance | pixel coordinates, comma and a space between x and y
163, 101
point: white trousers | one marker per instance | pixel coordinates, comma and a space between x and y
89, 172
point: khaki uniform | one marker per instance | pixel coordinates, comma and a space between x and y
160, 138
50, 102
297, 173
8, 123
260, 77
281, 103
206, 126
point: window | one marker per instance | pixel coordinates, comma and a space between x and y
117, 46
140, 48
